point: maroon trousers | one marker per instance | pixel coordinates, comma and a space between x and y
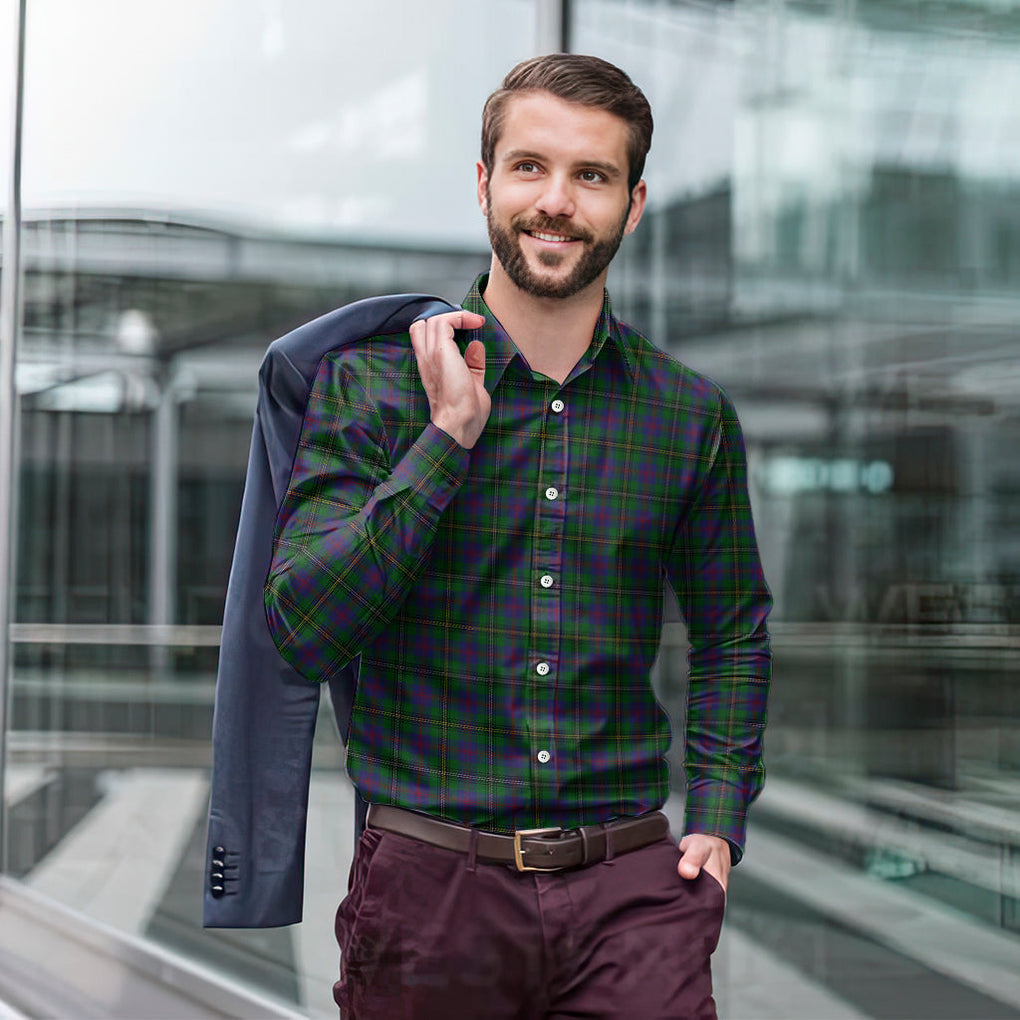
431, 934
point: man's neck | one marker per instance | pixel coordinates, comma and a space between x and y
551, 333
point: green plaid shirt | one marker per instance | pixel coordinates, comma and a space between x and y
507, 601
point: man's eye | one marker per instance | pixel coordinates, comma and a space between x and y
527, 168
592, 176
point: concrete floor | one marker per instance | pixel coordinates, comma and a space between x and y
807, 936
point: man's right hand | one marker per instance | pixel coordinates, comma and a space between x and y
455, 385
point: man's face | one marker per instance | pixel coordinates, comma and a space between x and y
557, 202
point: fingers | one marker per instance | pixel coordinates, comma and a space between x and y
460, 319
454, 385
475, 357
431, 338
433, 343
704, 851
693, 861
444, 325
471, 320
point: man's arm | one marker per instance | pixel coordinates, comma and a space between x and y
715, 570
353, 530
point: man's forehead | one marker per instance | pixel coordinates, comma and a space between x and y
541, 119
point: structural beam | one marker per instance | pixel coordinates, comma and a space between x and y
552, 26
10, 324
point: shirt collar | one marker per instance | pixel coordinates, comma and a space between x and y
500, 349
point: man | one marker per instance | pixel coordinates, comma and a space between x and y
487, 515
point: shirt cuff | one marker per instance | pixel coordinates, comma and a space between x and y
433, 468
715, 808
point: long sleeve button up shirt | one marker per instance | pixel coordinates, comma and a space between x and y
507, 601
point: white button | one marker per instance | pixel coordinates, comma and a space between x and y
544, 756
552, 492
546, 580
542, 668
557, 405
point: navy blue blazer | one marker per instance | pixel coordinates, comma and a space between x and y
265, 711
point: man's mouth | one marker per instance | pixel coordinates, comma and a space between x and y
544, 235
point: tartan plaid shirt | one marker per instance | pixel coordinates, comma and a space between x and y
507, 601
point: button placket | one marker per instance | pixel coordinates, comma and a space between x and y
546, 609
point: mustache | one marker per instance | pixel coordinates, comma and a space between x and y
547, 225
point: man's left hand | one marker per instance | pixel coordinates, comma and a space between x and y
709, 852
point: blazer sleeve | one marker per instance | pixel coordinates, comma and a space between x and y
265, 712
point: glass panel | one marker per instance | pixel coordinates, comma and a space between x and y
833, 236
199, 179
335, 119
8, 27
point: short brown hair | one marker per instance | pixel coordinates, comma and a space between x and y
589, 81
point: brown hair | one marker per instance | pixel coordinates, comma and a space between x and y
589, 81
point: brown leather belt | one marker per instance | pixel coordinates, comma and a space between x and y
550, 849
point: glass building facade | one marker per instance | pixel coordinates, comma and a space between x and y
833, 235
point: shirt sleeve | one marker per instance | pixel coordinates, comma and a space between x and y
716, 573
353, 530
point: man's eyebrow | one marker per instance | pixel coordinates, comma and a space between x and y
609, 169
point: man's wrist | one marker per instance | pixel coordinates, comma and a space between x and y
735, 852
456, 431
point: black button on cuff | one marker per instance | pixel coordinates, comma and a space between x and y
217, 872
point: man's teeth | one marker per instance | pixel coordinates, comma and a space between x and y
549, 237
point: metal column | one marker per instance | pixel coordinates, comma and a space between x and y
163, 501
10, 318
552, 26
164, 443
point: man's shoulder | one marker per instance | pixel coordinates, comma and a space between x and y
667, 374
364, 322
378, 371
374, 353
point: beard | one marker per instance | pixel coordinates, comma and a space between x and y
595, 256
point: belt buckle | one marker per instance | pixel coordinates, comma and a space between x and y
519, 851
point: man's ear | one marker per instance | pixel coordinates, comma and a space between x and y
483, 181
637, 206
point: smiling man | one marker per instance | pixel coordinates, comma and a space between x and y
487, 515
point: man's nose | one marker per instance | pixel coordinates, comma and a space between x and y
557, 198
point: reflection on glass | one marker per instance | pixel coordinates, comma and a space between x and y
334, 119
198, 180
832, 235
8, 28
836, 243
